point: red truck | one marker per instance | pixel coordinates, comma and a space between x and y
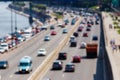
91, 50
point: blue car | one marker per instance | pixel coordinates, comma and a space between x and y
47, 38
65, 30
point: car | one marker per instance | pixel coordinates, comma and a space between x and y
4, 64
42, 52
64, 30
73, 44
72, 38
61, 25
80, 29
53, 33
88, 29
47, 38
2, 40
21, 39
5, 46
76, 58
85, 34
62, 55
75, 34
2, 50
52, 27
95, 38
83, 45
89, 25
96, 22
25, 65
57, 65
69, 67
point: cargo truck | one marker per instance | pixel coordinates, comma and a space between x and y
91, 50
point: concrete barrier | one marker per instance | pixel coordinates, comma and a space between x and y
112, 65
40, 71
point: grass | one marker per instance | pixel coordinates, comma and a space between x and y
94, 7
59, 16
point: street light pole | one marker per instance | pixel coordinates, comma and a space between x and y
11, 27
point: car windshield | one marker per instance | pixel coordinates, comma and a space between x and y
41, 50
1, 48
24, 64
3, 45
2, 62
26, 32
68, 66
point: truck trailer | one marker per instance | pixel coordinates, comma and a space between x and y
91, 50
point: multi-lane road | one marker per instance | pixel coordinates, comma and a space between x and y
88, 68
30, 48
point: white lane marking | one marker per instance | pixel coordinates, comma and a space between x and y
0, 77
11, 76
63, 75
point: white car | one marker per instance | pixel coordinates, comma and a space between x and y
2, 50
42, 52
83, 45
5, 46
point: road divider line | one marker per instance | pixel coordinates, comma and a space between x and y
39, 73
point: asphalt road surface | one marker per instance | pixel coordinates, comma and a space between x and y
30, 48
88, 69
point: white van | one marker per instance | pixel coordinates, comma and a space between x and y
28, 33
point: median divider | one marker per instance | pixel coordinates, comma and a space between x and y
44, 66
114, 71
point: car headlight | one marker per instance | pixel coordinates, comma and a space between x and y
5, 65
27, 69
20, 69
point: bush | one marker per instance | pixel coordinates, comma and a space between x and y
118, 31
115, 23
117, 27
19, 3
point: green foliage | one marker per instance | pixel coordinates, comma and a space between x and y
118, 31
116, 27
58, 15
39, 6
19, 3
115, 23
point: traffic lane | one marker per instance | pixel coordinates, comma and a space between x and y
57, 40
14, 63
14, 59
81, 69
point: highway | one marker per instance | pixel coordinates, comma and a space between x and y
30, 48
87, 69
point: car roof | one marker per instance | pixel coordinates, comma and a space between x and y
69, 64
3, 61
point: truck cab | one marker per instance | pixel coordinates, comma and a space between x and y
25, 64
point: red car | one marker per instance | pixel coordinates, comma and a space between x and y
76, 58
85, 34
53, 33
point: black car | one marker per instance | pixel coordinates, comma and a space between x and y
73, 44
70, 67
88, 29
52, 27
96, 22
62, 55
75, 34
57, 65
3, 64
95, 38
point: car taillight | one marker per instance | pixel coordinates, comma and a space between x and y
65, 55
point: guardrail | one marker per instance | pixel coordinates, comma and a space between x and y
108, 55
40, 71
